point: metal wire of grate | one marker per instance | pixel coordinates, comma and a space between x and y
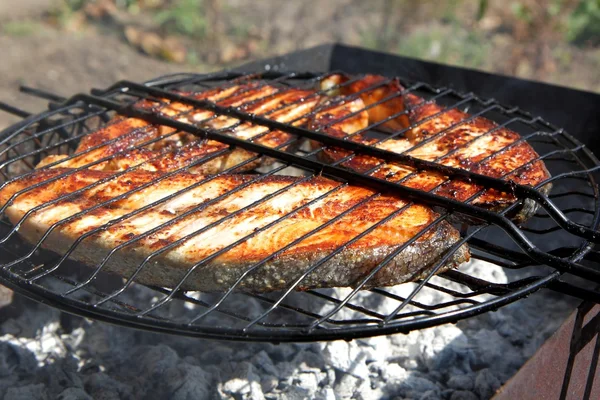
554, 249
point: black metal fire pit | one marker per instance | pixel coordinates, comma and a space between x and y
548, 251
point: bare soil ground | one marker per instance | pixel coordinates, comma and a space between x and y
67, 64
82, 52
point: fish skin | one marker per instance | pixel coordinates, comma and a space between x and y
501, 153
347, 268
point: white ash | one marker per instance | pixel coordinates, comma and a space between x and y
39, 359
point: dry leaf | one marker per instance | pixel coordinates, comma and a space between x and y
173, 50
153, 45
100, 9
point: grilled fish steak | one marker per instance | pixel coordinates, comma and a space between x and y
449, 137
191, 226
130, 142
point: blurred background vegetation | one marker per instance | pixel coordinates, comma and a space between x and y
551, 40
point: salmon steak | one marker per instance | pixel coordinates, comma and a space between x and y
269, 230
132, 142
151, 203
447, 136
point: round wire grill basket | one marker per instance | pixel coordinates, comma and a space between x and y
509, 261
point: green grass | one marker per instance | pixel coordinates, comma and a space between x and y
186, 17
584, 23
447, 44
21, 28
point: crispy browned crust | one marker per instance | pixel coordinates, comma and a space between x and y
345, 269
477, 145
371, 91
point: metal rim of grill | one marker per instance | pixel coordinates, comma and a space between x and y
557, 243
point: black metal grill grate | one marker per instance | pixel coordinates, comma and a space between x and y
556, 243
